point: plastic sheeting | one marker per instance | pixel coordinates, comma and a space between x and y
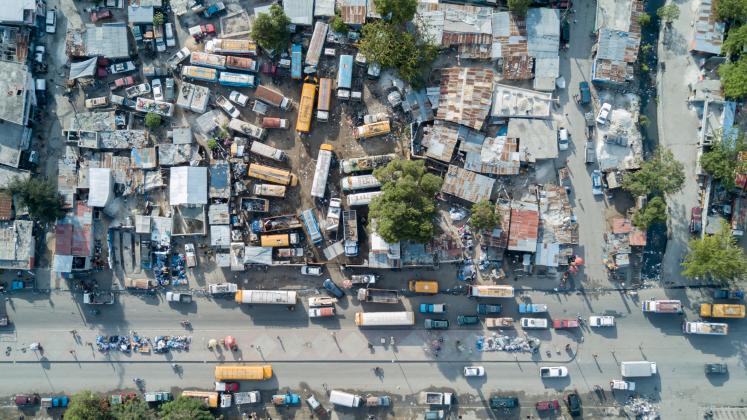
83, 68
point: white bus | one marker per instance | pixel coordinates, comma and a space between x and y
360, 182
362, 199
491, 291
384, 319
367, 163
266, 297
323, 161
244, 127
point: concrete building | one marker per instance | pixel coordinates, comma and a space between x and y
17, 245
140, 15
101, 187
74, 240
618, 41
514, 102
538, 139
21, 12
543, 43
188, 186
15, 110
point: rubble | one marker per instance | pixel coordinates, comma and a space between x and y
500, 342
642, 408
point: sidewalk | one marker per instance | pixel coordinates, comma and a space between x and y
309, 345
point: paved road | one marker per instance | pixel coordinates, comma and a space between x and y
681, 383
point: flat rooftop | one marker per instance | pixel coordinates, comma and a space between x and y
14, 86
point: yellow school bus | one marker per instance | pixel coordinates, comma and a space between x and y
306, 108
243, 372
210, 398
270, 174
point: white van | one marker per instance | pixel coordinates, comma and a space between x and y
169, 30
344, 399
563, 140
51, 21
642, 369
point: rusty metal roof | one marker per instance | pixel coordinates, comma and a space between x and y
353, 12
518, 67
524, 227
467, 185
466, 95
498, 156
637, 237
621, 225
6, 206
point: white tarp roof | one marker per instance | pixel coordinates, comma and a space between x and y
258, 255
188, 185
83, 68
100, 186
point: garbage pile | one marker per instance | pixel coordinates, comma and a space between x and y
499, 342
642, 408
114, 343
165, 343
161, 269
178, 270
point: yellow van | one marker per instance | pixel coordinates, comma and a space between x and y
429, 287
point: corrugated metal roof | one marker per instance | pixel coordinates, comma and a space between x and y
100, 186
324, 8
708, 33
63, 239
220, 180
6, 206
543, 31
300, 12
467, 185
353, 11
524, 227
498, 156
188, 185
621, 225
82, 239
108, 40
440, 139
465, 96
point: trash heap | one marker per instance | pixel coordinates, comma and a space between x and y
161, 269
499, 342
642, 408
178, 270
113, 343
165, 343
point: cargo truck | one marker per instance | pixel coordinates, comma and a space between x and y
277, 223
345, 399
326, 311
499, 322
705, 328
384, 319
269, 190
274, 122
642, 369
721, 310
534, 323
435, 398
662, 306
321, 301
432, 308
98, 298
251, 397
378, 296
178, 297
272, 97
332, 221
350, 232
266, 297
283, 240
429, 287
484, 309
222, 288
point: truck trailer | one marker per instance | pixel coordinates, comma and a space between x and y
378, 295
705, 328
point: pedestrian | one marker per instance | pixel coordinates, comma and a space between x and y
595, 355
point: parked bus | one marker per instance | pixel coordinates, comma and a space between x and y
269, 190
384, 319
324, 103
361, 199
237, 79
268, 151
241, 63
367, 131
317, 44
360, 182
296, 62
266, 297
323, 162
248, 129
231, 46
491, 291
365, 164
203, 59
270, 174
200, 73
242, 372
209, 398
312, 226
345, 76
306, 108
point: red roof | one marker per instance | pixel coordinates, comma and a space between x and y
63, 239
523, 231
6, 206
638, 237
621, 225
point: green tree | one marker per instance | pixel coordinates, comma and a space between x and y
184, 408
338, 25
716, 256
86, 405
386, 44
40, 197
732, 10
212, 144
401, 11
484, 216
644, 19
735, 42
152, 120
668, 13
721, 161
271, 30
158, 19
654, 211
133, 409
662, 174
734, 78
519, 7
406, 208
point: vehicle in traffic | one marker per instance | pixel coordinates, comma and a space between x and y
423, 286
584, 92
470, 371
321, 312
617, 384
178, 297
229, 372
380, 319
547, 405
286, 399
560, 324
312, 270
504, 402
563, 139
227, 386
705, 328
534, 323
596, 182
722, 310
553, 372
574, 403
238, 98
728, 294
504, 322
333, 289
662, 306
532, 308
604, 113
363, 279
590, 153
378, 295
468, 320
51, 21
601, 321
716, 368
432, 308
436, 398
436, 324
485, 309
345, 399
639, 369
157, 89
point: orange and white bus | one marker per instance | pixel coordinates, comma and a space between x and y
270, 174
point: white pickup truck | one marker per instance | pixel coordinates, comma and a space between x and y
601, 321
553, 372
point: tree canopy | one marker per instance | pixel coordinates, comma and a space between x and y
406, 208
734, 78
732, 10
133, 409
655, 211
401, 11
669, 12
271, 30
735, 42
644, 19
152, 120
338, 25
519, 7
184, 408
86, 405
662, 174
40, 197
721, 161
715, 256
388, 45
158, 19
484, 216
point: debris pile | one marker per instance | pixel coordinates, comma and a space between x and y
165, 343
499, 342
114, 343
643, 408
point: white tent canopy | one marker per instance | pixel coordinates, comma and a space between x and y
83, 68
188, 186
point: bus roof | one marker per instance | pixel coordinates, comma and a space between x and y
325, 94
306, 108
345, 72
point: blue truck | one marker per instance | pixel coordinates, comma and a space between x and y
728, 294
214, 9
432, 308
296, 61
467, 319
532, 308
485, 309
584, 92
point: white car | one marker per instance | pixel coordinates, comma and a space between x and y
553, 372
39, 52
51, 21
601, 321
157, 89
238, 98
563, 141
312, 270
474, 371
604, 113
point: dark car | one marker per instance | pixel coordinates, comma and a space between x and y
467, 319
100, 15
504, 402
584, 93
27, 399
333, 289
485, 309
728, 294
716, 368
436, 324
574, 403
696, 219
